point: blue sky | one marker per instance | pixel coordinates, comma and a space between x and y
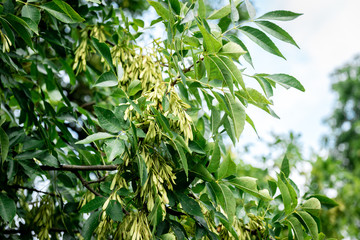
328, 35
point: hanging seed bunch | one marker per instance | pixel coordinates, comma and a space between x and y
105, 227
143, 68
118, 179
82, 51
43, 219
6, 43
98, 32
134, 226
87, 197
160, 176
182, 120
251, 231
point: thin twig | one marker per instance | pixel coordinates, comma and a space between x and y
98, 180
74, 168
86, 184
185, 71
33, 189
16, 231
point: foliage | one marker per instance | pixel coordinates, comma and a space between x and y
340, 171
103, 138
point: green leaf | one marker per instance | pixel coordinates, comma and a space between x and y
312, 206
108, 120
90, 225
95, 137
183, 158
238, 114
227, 168
192, 41
325, 201
285, 167
309, 223
69, 71
114, 210
31, 25
94, 204
175, 4
246, 56
229, 204
250, 9
215, 158
202, 172
296, 226
256, 96
261, 39
224, 11
142, 169
134, 87
233, 69
276, 31
201, 9
211, 44
114, 148
265, 85
4, 145
232, 49
168, 236
234, 12
31, 12
224, 73
7, 208
249, 185
280, 15
250, 121
107, 79
285, 195
189, 205
21, 27
286, 80
62, 11
161, 10
104, 51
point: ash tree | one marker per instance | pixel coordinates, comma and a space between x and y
104, 139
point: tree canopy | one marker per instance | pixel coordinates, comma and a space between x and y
106, 136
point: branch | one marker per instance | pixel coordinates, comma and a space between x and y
185, 71
86, 184
33, 189
97, 181
75, 168
16, 231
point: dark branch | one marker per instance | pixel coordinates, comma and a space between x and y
33, 189
86, 184
75, 168
97, 181
16, 231
185, 71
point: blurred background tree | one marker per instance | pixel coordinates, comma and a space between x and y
340, 170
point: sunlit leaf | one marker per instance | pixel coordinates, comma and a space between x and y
94, 137
280, 15
261, 39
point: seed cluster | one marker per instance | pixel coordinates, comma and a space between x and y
83, 50
5, 42
44, 217
251, 231
135, 226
